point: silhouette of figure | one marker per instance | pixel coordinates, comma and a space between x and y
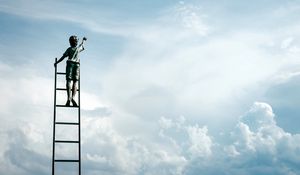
72, 68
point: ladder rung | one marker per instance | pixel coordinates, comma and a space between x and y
66, 141
63, 89
61, 73
60, 160
67, 106
66, 123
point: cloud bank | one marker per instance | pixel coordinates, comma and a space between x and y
257, 146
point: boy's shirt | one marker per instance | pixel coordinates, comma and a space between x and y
70, 53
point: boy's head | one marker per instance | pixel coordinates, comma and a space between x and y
73, 40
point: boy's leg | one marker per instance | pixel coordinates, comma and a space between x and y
69, 88
74, 90
75, 77
69, 82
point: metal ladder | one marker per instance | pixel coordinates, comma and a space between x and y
65, 123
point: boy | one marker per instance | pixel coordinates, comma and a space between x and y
72, 69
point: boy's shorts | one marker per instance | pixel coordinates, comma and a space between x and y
72, 71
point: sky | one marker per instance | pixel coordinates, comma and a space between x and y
167, 87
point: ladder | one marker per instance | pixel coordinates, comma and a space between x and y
65, 123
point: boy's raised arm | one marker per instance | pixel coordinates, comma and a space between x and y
81, 47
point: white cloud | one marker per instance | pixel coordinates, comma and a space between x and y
125, 155
260, 140
185, 148
91, 102
200, 142
260, 115
286, 43
27, 95
25, 155
231, 151
258, 145
168, 68
68, 12
290, 46
191, 18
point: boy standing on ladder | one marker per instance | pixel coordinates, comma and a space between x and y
72, 68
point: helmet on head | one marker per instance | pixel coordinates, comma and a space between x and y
73, 40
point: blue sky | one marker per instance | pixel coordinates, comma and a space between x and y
168, 87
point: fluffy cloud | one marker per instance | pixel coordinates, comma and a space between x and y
260, 115
25, 152
257, 139
257, 145
107, 151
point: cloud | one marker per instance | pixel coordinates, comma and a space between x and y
191, 18
27, 95
169, 68
260, 115
261, 144
67, 12
257, 145
287, 42
200, 143
283, 96
25, 153
189, 140
113, 153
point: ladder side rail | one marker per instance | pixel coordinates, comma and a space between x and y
79, 127
54, 120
